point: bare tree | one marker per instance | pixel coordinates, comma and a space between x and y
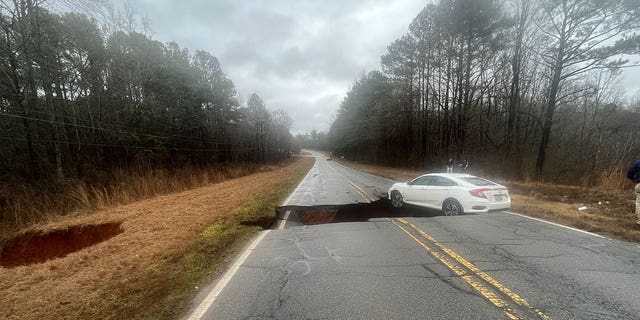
578, 33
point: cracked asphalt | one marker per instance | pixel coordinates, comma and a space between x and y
371, 269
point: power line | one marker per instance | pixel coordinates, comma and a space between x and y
107, 129
122, 146
101, 123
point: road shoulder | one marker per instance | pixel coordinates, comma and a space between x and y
169, 246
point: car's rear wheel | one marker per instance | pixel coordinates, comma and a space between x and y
396, 199
451, 208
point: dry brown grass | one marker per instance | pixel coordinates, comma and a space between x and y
613, 219
169, 245
22, 206
610, 207
615, 178
609, 211
304, 153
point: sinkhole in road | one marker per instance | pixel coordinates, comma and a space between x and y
357, 212
38, 246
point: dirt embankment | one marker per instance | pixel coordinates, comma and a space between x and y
163, 247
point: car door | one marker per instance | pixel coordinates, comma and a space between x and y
414, 193
437, 190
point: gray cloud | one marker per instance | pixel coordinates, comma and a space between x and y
300, 56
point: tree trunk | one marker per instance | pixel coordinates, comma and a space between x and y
551, 101
55, 135
516, 64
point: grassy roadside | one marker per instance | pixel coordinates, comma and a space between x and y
18, 211
171, 245
217, 243
609, 212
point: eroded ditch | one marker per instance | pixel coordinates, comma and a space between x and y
37, 246
323, 214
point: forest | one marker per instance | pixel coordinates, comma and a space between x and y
81, 97
522, 89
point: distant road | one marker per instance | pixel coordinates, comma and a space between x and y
330, 183
417, 264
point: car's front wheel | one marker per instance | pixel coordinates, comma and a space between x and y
451, 208
396, 199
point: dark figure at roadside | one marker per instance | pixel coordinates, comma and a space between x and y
634, 175
464, 166
450, 166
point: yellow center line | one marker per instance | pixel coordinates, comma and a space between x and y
355, 186
475, 270
469, 278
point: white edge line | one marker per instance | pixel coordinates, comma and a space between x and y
286, 202
282, 222
224, 280
211, 297
557, 225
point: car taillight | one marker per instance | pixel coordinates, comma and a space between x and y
479, 193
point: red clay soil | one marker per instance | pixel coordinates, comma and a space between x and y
105, 279
318, 217
36, 247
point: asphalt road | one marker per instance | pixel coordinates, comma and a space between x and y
330, 183
416, 264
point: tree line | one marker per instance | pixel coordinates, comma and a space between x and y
523, 87
79, 96
311, 140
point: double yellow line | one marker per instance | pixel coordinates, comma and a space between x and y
355, 186
514, 306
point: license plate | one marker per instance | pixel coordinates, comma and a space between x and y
499, 197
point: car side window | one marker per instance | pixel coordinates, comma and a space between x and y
442, 182
422, 181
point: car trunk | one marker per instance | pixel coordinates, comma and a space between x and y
497, 194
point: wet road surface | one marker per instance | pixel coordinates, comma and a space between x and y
330, 183
417, 264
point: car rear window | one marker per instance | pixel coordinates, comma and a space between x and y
478, 181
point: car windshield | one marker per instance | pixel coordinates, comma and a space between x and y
478, 181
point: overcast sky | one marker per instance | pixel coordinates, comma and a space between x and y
301, 56
298, 55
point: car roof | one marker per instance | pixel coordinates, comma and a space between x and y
457, 177
450, 175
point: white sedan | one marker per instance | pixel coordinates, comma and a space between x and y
453, 193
